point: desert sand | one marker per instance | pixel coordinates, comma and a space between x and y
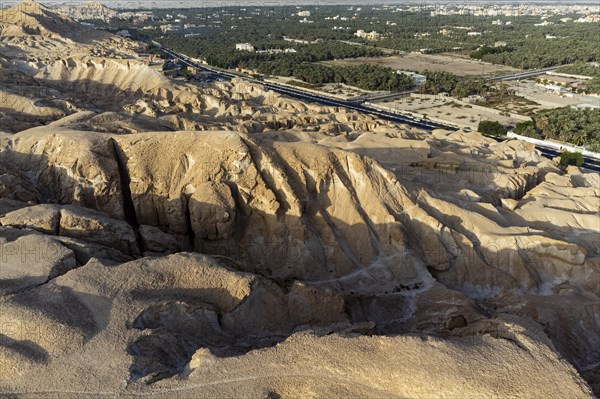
164, 239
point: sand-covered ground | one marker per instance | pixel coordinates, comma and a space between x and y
431, 62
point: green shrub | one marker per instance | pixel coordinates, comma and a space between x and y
491, 128
571, 158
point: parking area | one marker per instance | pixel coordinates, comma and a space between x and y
448, 110
548, 99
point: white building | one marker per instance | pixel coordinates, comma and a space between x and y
169, 28
368, 35
244, 47
589, 19
475, 98
304, 13
555, 88
289, 39
586, 105
277, 51
418, 80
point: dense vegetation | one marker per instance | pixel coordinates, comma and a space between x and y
224, 55
218, 29
526, 129
491, 128
581, 69
528, 46
368, 77
486, 50
571, 125
456, 86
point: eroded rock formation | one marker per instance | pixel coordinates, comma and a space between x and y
224, 241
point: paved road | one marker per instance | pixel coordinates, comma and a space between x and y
591, 164
588, 163
382, 96
525, 74
320, 99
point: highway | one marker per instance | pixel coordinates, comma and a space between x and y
382, 96
317, 98
589, 163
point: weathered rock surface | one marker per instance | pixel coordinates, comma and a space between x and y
225, 241
44, 218
309, 218
68, 169
29, 259
187, 315
405, 366
155, 240
78, 223
95, 227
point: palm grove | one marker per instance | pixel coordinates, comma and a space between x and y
526, 46
217, 31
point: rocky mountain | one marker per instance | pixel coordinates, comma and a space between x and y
30, 18
87, 11
165, 238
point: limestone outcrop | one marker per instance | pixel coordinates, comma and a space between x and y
306, 217
190, 316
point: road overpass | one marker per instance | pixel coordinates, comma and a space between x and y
525, 74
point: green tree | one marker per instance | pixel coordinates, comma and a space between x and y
491, 128
571, 158
571, 125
